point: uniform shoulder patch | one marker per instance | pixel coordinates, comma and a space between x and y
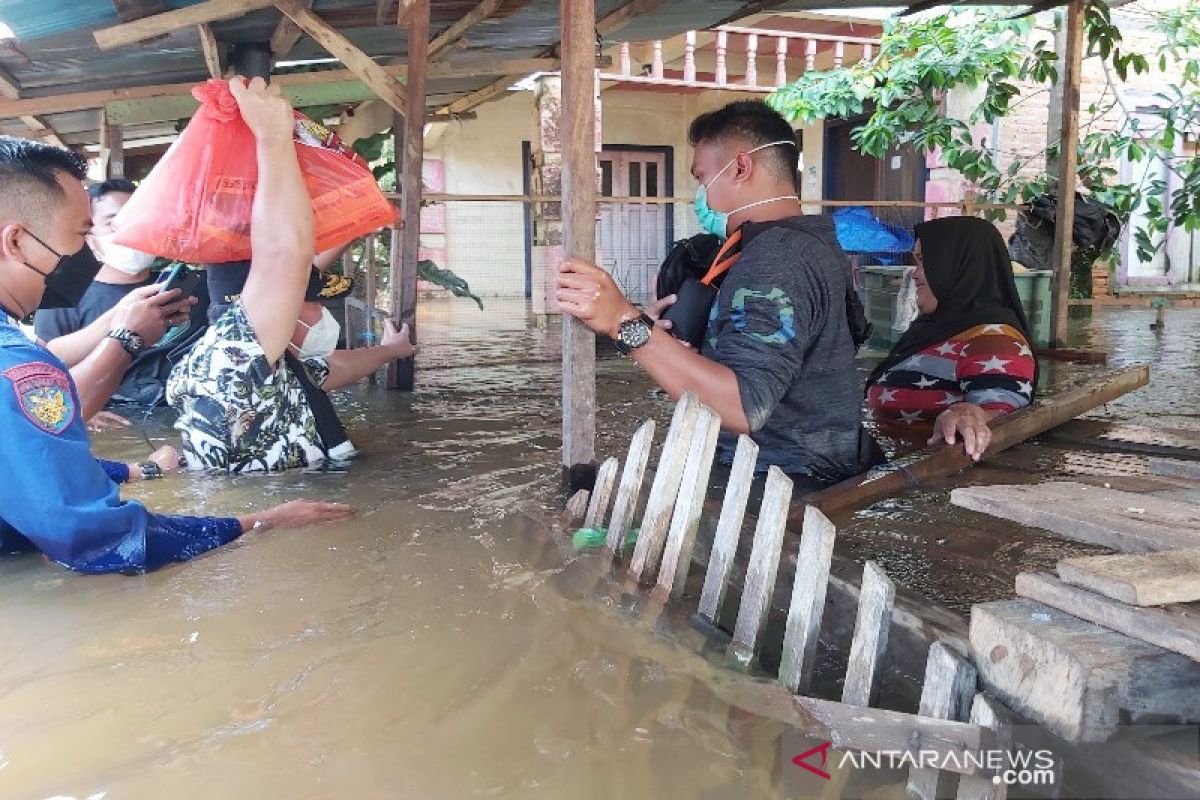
44, 395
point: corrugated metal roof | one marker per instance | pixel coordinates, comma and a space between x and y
54, 52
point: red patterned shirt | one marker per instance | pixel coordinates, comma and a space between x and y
991, 366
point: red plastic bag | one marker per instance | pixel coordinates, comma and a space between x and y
195, 205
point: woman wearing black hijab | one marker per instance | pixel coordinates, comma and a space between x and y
968, 357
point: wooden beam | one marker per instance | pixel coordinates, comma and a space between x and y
403, 10
1068, 162
346, 51
480, 96
81, 101
624, 15
211, 50
11, 89
381, 10
578, 130
455, 32
148, 27
1167, 576
285, 35
403, 286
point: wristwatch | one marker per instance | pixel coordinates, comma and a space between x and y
150, 471
130, 341
633, 333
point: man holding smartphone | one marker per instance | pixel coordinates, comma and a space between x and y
123, 299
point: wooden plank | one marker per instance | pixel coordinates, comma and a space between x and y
401, 375
286, 34
988, 713
149, 27
577, 126
211, 50
947, 693
78, 101
1079, 680
1175, 468
1131, 523
764, 564
606, 479
664, 489
1174, 627
729, 528
576, 508
681, 539
1166, 576
809, 586
1008, 430
112, 148
870, 636
630, 488
1068, 163
358, 62
455, 32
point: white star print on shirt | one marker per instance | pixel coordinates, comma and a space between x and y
1023, 349
925, 382
946, 349
950, 399
887, 395
909, 417
993, 328
994, 364
1025, 387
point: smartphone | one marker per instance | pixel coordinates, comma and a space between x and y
180, 277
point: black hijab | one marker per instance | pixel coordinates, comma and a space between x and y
969, 272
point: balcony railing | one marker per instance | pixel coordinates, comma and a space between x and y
733, 44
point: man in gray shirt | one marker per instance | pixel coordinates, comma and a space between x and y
777, 361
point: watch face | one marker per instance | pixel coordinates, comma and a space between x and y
634, 333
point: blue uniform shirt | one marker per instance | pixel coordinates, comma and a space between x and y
56, 497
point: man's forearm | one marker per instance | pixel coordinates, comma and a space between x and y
350, 366
678, 369
99, 375
73, 348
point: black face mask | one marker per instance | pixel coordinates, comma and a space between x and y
70, 278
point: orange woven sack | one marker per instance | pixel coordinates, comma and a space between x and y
195, 205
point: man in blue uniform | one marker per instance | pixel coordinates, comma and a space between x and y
55, 497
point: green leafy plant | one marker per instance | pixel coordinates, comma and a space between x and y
902, 91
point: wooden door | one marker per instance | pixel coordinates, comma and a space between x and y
631, 236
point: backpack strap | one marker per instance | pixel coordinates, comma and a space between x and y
727, 256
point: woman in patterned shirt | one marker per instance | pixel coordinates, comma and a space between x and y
967, 358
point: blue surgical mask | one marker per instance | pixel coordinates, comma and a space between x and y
717, 222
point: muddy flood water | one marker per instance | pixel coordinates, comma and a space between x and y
434, 647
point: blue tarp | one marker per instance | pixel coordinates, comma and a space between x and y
858, 231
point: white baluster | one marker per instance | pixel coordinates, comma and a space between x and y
810, 54
722, 46
752, 60
656, 66
839, 53
781, 54
626, 65
689, 56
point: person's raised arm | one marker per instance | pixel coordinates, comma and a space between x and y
281, 227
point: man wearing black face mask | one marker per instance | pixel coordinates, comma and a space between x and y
62, 501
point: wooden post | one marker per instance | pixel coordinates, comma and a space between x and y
409, 158
870, 636
764, 565
630, 487
729, 528
1068, 162
808, 601
112, 147
578, 129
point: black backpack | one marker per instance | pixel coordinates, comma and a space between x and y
691, 258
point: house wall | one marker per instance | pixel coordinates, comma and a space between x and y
484, 242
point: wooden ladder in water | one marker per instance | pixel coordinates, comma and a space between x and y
954, 720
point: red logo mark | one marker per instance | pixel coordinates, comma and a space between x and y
801, 760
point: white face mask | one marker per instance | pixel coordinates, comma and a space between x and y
322, 338
122, 258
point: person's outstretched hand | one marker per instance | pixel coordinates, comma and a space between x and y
265, 111
296, 514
